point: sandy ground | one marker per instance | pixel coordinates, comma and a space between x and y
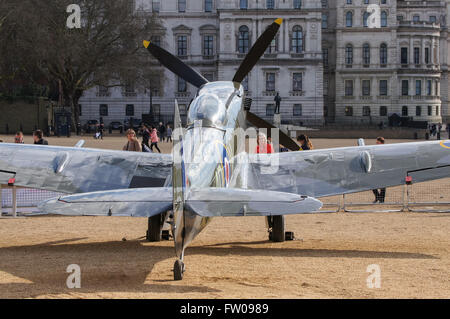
232, 258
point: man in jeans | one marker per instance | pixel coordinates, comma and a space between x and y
379, 194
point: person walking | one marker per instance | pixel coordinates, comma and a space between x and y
145, 137
38, 138
154, 138
380, 194
169, 134
161, 131
133, 144
305, 143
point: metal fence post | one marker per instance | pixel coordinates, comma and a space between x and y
14, 201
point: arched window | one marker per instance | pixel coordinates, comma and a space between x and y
383, 19
366, 54
405, 111
244, 39
366, 110
365, 19
297, 39
383, 54
418, 110
349, 19
349, 54
383, 111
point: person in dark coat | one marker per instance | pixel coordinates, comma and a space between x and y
38, 138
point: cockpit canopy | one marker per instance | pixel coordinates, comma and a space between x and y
210, 104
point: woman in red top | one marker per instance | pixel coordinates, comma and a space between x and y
263, 147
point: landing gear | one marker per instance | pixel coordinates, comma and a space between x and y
155, 225
178, 270
276, 228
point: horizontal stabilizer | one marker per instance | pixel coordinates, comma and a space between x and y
141, 202
244, 202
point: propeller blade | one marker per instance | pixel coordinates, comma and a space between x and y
176, 65
285, 140
257, 51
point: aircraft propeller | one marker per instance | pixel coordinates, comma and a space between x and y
176, 65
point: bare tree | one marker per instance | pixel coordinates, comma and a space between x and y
106, 50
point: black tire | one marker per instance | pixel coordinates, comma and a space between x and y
178, 270
278, 235
155, 225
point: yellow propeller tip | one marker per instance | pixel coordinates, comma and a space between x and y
146, 44
279, 21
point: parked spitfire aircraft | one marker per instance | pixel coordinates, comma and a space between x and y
207, 174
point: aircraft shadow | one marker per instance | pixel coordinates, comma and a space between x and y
122, 267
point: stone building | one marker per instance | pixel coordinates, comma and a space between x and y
213, 36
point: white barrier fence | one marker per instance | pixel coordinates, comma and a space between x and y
421, 197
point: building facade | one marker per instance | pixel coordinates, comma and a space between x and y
213, 36
331, 61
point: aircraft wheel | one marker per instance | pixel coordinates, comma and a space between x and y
155, 225
277, 234
178, 270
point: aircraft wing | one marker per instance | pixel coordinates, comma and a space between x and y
338, 171
207, 202
80, 170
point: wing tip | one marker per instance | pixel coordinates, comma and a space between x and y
146, 44
279, 21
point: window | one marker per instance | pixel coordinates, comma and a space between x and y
383, 1
404, 55
427, 55
348, 111
208, 5
129, 87
245, 84
129, 110
181, 5
399, 18
349, 54
349, 1
103, 91
297, 82
366, 1
418, 87
324, 21
418, 110
325, 57
297, 39
349, 19
348, 87
270, 82
416, 18
324, 3
365, 19
416, 55
366, 110
182, 85
297, 111
243, 39
156, 5
436, 87
383, 54
270, 109
156, 39
273, 47
298, 4
405, 87
383, 111
383, 87
405, 111
366, 54
428, 87
430, 110
182, 45
366, 87
270, 4
103, 109
433, 19
437, 110
208, 45
243, 4
383, 19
